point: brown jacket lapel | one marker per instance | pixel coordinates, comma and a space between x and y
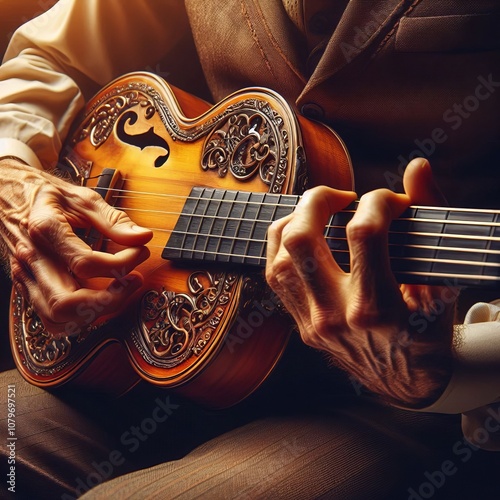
363, 26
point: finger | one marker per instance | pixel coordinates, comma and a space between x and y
26, 286
293, 269
112, 223
420, 185
422, 189
59, 301
86, 263
304, 236
84, 306
82, 207
292, 234
374, 292
274, 239
56, 235
278, 270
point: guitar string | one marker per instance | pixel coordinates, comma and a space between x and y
329, 226
278, 205
429, 273
337, 238
260, 203
346, 252
328, 239
343, 251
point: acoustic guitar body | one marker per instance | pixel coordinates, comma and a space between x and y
211, 331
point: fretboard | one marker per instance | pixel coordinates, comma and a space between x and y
427, 245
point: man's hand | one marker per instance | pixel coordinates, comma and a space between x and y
48, 262
396, 340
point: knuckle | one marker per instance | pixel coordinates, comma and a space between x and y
312, 336
325, 321
362, 230
87, 200
295, 239
277, 272
270, 276
114, 216
318, 191
41, 227
273, 230
56, 305
26, 254
360, 317
372, 217
315, 195
378, 196
78, 264
88, 197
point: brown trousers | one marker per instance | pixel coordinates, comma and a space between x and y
304, 435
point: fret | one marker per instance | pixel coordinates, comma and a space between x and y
219, 228
482, 230
269, 214
453, 233
179, 238
468, 236
238, 226
253, 246
336, 237
275, 207
237, 207
494, 242
429, 232
212, 198
191, 250
264, 216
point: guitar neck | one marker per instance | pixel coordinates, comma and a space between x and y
427, 245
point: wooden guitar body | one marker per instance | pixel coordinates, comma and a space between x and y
212, 332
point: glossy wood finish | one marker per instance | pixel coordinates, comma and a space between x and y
154, 143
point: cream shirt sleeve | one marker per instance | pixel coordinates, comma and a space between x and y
58, 60
475, 381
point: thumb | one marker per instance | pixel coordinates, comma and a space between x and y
420, 185
118, 226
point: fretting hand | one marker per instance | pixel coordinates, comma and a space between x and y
48, 261
395, 340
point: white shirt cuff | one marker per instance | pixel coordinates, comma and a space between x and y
475, 381
18, 149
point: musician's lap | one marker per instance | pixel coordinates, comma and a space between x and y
289, 441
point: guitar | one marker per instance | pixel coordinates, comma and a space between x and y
205, 329
209, 180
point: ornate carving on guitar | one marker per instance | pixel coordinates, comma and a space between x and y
200, 176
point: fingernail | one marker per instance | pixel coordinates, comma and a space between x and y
420, 162
140, 229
